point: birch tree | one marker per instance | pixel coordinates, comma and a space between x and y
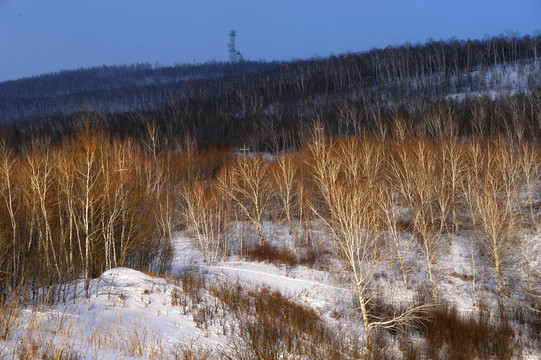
246, 185
205, 217
284, 173
8, 170
87, 172
39, 173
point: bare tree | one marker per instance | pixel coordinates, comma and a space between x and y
8, 170
391, 217
39, 172
453, 172
470, 189
348, 119
284, 173
529, 168
115, 167
495, 228
414, 168
87, 174
489, 213
205, 217
246, 185
165, 196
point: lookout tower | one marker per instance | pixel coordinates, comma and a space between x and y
234, 55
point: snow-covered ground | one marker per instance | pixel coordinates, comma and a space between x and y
129, 314
499, 81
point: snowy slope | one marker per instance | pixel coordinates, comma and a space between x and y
130, 314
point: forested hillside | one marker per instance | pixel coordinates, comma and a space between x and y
110, 88
224, 104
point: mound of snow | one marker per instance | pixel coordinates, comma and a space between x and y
127, 277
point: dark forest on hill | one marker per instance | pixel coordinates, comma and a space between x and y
480, 84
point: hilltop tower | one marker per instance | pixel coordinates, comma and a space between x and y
234, 55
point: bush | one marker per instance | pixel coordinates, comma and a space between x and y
457, 336
268, 325
272, 254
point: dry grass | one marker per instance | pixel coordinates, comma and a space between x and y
44, 334
267, 325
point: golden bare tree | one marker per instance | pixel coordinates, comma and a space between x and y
529, 167
205, 216
414, 168
284, 172
8, 174
453, 169
39, 173
485, 192
391, 218
246, 184
87, 172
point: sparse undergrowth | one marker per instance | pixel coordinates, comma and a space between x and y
452, 335
267, 325
259, 323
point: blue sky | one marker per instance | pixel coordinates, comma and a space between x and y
40, 36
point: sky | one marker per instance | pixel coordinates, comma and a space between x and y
43, 36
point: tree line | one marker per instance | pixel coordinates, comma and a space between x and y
432, 70
116, 88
